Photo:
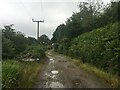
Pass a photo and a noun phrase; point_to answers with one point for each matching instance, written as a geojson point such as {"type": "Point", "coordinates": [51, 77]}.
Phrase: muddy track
{"type": "Point", "coordinates": [59, 72]}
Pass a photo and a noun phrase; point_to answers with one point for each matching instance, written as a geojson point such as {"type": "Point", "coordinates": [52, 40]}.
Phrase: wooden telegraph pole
{"type": "Point", "coordinates": [37, 27]}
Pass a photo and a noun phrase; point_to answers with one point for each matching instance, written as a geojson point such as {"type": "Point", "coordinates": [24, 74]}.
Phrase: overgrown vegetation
{"type": "Point", "coordinates": [15, 43]}
{"type": "Point", "coordinates": [34, 51]}
{"type": "Point", "coordinates": [112, 80]}
{"type": "Point", "coordinates": [99, 47]}
{"type": "Point", "coordinates": [92, 36]}
{"type": "Point", "coordinates": [17, 74]}
{"type": "Point", "coordinates": [16, 50]}
{"type": "Point", "coordinates": [92, 15]}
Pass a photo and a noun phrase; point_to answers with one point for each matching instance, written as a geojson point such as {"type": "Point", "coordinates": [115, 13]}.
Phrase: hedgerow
{"type": "Point", "coordinates": [100, 47]}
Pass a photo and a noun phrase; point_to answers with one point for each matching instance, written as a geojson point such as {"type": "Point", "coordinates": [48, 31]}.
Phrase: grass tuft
{"type": "Point", "coordinates": [108, 77]}
{"type": "Point", "coordinates": [17, 74]}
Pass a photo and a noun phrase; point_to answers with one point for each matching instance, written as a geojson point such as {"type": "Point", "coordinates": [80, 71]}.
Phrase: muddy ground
{"type": "Point", "coordinates": [59, 72]}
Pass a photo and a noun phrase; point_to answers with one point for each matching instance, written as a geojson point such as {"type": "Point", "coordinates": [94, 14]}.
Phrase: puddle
{"type": "Point", "coordinates": [51, 76]}
{"type": "Point", "coordinates": [51, 59]}
{"type": "Point", "coordinates": [54, 72]}
{"type": "Point", "coordinates": [56, 85]}
{"type": "Point", "coordinates": [51, 62]}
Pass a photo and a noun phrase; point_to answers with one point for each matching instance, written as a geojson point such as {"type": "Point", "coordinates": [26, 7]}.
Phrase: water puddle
{"type": "Point", "coordinates": [51, 59]}
{"type": "Point", "coordinates": [56, 85]}
{"type": "Point", "coordinates": [51, 62]}
{"type": "Point", "coordinates": [51, 76]}
{"type": "Point", "coordinates": [54, 72]}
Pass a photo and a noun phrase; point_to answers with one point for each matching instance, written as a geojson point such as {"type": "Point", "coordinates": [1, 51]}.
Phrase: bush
{"type": "Point", "coordinates": [99, 47]}
{"type": "Point", "coordinates": [35, 51]}
{"type": "Point", "coordinates": [10, 74]}
{"type": "Point", "coordinates": [8, 48]}
{"type": "Point", "coordinates": [19, 74]}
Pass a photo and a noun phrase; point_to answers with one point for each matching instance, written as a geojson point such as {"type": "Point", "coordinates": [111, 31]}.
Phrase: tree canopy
{"type": "Point", "coordinates": [44, 40]}
{"type": "Point", "coordinates": [91, 16]}
{"type": "Point", "coordinates": [92, 35]}
{"type": "Point", "coordinates": [14, 42]}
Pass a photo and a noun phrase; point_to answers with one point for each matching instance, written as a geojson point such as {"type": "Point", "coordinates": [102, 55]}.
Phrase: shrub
{"type": "Point", "coordinates": [19, 74]}
{"type": "Point", "coordinates": [99, 47]}
{"type": "Point", "coordinates": [36, 51]}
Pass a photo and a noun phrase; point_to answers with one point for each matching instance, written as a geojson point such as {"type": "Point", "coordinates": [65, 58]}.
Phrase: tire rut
{"type": "Point", "coordinates": [58, 72]}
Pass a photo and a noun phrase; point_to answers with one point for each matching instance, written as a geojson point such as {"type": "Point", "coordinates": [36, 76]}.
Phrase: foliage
{"type": "Point", "coordinates": [15, 43]}
{"type": "Point", "coordinates": [59, 33]}
{"type": "Point", "coordinates": [36, 51]}
{"type": "Point", "coordinates": [44, 40]}
{"type": "Point", "coordinates": [63, 47]}
{"type": "Point", "coordinates": [20, 38]}
{"type": "Point", "coordinates": [10, 74]}
{"type": "Point", "coordinates": [112, 13]}
{"type": "Point", "coordinates": [8, 48]}
{"type": "Point", "coordinates": [112, 80]}
{"type": "Point", "coordinates": [99, 47]}
{"type": "Point", "coordinates": [91, 16]}
{"type": "Point", "coordinates": [92, 35]}
{"type": "Point", "coordinates": [19, 74]}
{"type": "Point", "coordinates": [31, 41]}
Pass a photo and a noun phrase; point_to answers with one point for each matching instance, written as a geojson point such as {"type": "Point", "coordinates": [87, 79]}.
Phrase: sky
{"type": "Point", "coordinates": [21, 12]}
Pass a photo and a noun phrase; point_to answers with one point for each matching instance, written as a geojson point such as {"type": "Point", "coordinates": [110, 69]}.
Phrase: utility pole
{"type": "Point", "coordinates": [37, 27]}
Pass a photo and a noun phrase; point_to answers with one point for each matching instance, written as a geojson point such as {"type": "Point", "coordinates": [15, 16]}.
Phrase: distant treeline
{"type": "Point", "coordinates": [92, 35]}
{"type": "Point", "coordinates": [14, 43]}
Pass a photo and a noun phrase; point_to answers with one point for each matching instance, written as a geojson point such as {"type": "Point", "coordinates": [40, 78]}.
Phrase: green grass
{"type": "Point", "coordinates": [109, 78]}
{"type": "Point", "coordinates": [19, 74]}
{"type": "Point", "coordinates": [112, 80]}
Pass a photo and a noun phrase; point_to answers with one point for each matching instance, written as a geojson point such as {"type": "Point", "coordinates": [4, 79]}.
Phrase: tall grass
{"type": "Point", "coordinates": [112, 80]}
{"type": "Point", "coordinates": [17, 74]}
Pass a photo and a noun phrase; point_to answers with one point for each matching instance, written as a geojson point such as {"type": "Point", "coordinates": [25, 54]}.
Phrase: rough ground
{"type": "Point", "coordinates": [59, 72]}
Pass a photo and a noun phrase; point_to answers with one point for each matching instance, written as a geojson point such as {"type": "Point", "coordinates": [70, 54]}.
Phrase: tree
{"type": "Point", "coordinates": [13, 42]}
{"type": "Point", "coordinates": [32, 40]}
{"type": "Point", "coordinates": [20, 42]}
{"type": "Point", "coordinates": [44, 40]}
{"type": "Point", "coordinates": [8, 49]}
{"type": "Point", "coordinates": [59, 33]}
{"type": "Point", "coordinates": [112, 12]}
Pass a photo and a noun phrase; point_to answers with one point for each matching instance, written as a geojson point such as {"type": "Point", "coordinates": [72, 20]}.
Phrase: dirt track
{"type": "Point", "coordinates": [59, 72]}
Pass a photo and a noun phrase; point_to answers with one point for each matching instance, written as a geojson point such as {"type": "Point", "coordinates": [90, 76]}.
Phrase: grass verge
{"type": "Point", "coordinates": [112, 80]}
{"type": "Point", "coordinates": [17, 74]}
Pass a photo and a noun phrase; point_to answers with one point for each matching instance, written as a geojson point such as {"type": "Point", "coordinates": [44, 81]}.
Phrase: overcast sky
{"type": "Point", "coordinates": [53, 12]}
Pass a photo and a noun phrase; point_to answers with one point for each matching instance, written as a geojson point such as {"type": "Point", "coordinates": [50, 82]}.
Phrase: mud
{"type": "Point", "coordinates": [59, 72]}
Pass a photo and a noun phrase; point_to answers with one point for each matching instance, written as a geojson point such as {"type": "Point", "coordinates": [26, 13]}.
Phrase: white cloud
{"type": "Point", "coordinates": [20, 13]}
